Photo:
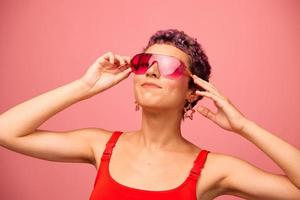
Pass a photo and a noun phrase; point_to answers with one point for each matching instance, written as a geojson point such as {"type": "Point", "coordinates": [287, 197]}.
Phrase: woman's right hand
{"type": "Point", "coordinates": [107, 71]}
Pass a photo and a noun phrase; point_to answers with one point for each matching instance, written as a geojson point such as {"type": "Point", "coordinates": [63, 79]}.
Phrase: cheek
{"type": "Point", "coordinates": [180, 85]}
{"type": "Point", "coordinates": [137, 80]}
{"type": "Point", "coordinates": [177, 90]}
{"type": "Point", "coordinates": [136, 83]}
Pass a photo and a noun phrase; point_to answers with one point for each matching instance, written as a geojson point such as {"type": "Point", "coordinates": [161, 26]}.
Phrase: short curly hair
{"type": "Point", "coordinates": [199, 61]}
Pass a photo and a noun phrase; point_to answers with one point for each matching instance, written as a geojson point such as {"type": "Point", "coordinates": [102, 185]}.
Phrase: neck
{"type": "Point", "coordinates": [160, 130]}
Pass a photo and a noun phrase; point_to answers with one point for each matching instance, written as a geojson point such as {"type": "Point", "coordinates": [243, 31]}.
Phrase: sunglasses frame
{"type": "Point", "coordinates": [143, 53]}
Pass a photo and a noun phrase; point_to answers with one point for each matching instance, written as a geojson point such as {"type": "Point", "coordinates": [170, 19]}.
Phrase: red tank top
{"type": "Point", "coordinates": [105, 187]}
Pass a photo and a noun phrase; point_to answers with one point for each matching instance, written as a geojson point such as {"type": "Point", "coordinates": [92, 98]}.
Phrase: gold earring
{"type": "Point", "coordinates": [186, 111]}
{"type": "Point", "coordinates": [137, 107]}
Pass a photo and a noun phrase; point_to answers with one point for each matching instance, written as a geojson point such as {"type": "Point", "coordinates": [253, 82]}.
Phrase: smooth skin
{"type": "Point", "coordinates": [242, 178]}
{"type": "Point", "coordinates": [222, 174]}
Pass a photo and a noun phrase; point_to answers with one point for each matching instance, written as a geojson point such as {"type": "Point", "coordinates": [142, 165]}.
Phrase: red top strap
{"type": "Point", "coordinates": [194, 173]}
{"type": "Point", "coordinates": [199, 163]}
{"type": "Point", "coordinates": [110, 145]}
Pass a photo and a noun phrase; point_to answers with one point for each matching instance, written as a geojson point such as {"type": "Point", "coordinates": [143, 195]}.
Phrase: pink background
{"type": "Point", "coordinates": [253, 47]}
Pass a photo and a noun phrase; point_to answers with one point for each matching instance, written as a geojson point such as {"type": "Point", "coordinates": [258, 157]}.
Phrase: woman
{"type": "Point", "coordinates": [155, 162]}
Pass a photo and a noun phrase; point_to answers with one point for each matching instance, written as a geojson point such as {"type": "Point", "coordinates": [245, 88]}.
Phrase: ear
{"type": "Point", "coordinates": [191, 95]}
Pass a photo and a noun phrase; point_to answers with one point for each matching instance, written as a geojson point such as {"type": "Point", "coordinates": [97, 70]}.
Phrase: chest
{"type": "Point", "coordinates": [157, 171]}
{"type": "Point", "coordinates": [149, 172]}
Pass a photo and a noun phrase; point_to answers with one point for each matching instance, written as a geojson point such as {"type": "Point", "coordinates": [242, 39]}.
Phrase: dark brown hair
{"type": "Point", "coordinates": [199, 62]}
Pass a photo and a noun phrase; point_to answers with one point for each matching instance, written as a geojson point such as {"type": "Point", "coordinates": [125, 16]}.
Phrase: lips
{"type": "Point", "coordinates": [149, 84]}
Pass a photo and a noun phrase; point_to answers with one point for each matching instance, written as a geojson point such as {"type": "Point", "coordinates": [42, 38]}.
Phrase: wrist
{"type": "Point", "coordinates": [84, 89]}
{"type": "Point", "coordinates": [248, 126]}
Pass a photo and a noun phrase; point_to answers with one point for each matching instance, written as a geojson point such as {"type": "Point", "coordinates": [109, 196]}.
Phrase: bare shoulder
{"type": "Point", "coordinates": [99, 135]}
{"type": "Point", "coordinates": [213, 173]}
{"type": "Point", "coordinates": [98, 139]}
{"type": "Point", "coordinates": [238, 177]}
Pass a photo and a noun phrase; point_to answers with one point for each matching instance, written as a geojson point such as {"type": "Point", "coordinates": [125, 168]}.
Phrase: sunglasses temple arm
{"type": "Point", "coordinates": [189, 72]}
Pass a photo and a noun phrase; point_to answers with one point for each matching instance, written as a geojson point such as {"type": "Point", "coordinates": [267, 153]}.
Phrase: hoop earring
{"type": "Point", "coordinates": [186, 111]}
{"type": "Point", "coordinates": [137, 107]}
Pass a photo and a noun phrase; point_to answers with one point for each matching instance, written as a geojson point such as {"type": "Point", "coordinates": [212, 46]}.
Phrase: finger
{"type": "Point", "coordinates": [125, 64]}
{"type": "Point", "coordinates": [123, 67]}
{"type": "Point", "coordinates": [124, 74]}
{"type": "Point", "coordinates": [109, 56]}
{"type": "Point", "coordinates": [120, 59]}
{"type": "Point", "coordinates": [127, 58]}
{"type": "Point", "coordinates": [207, 86]}
{"type": "Point", "coordinates": [200, 80]}
{"type": "Point", "coordinates": [206, 112]}
{"type": "Point", "coordinates": [219, 101]}
{"type": "Point", "coordinates": [115, 61]}
{"type": "Point", "coordinates": [104, 57]}
{"type": "Point", "coordinates": [203, 82]}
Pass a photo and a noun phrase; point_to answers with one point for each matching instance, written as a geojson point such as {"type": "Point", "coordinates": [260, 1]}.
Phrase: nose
{"type": "Point", "coordinates": [153, 70]}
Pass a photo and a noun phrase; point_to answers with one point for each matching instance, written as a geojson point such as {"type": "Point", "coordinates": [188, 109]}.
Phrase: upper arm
{"type": "Point", "coordinates": [60, 146]}
{"type": "Point", "coordinates": [244, 180]}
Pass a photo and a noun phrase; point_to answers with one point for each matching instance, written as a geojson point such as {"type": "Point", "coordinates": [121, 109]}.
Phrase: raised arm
{"type": "Point", "coordinates": [19, 125]}
{"type": "Point", "coordinates": [240, 178]}
{"type": "Point", "coordinates": [243, 179]}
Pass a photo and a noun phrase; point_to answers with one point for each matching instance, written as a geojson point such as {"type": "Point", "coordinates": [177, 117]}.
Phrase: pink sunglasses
{"type": "Point", "coordinates": [169, 66]}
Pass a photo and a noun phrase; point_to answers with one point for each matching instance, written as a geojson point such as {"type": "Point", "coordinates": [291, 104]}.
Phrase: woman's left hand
{"type": "Point", "coordinates": [228, 116]}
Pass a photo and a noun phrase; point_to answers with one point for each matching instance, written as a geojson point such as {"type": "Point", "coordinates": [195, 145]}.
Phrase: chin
{"type": "Point", "coordinates": [150, 103]}
{"type": "Point", "coordinates": [145, 97]}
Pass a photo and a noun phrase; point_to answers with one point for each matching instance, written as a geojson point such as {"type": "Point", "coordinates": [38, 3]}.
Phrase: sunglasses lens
{"type": "Point", "coordinates": [169, 66]}
{"type": "Point", "coordinates": [176, 74]}
{"type": "Point", "coordinates": [140, 64]}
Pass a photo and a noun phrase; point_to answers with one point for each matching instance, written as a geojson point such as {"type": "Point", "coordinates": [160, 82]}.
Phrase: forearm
{"type": "Point", "coordinates": [27, 116]}
{"type": "Point", "coordinates": [284, 154]}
